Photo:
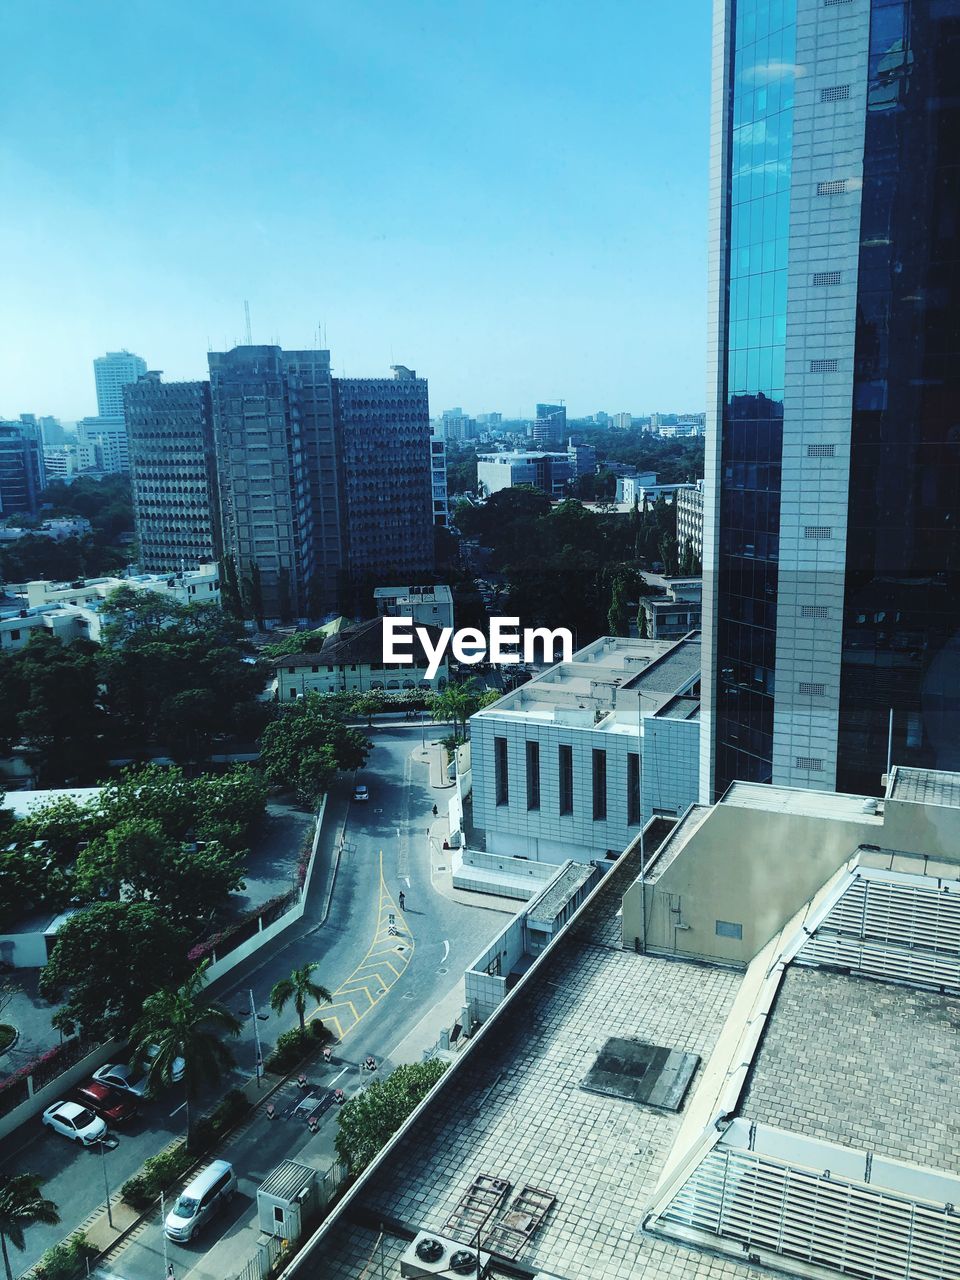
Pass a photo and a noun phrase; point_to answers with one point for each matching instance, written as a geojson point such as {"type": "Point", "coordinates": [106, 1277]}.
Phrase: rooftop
{"type": "Point", "coordinates": [813, 804]}
{"type": "Point", "coordinates": [925, 786]}
{"type": "Point", "coordinates": [584, 691]}
{"type": "Point", "coordinates": [819, 1134]}
{"type": "Point", "coordinates": [363, 644]}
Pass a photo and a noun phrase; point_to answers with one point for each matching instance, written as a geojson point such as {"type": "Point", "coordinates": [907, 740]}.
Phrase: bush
{"type": "Point", "coordinates": [66, 1260]}
{"type": "Point", "coordinates": [159, 1173]}
{"type": "Point", "coordinates": [293, 1046]}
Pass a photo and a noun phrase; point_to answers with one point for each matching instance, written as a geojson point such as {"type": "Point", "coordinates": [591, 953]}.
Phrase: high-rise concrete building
{"type": "Point", "coordinates": [276, 472]}
{"type": "Point", "coordinates": [22, 474]}
{"type": "Point", "coordinates": [312, 502]}
{"type": "Point", "coordinates": [550, 427]}
{"type": "Point", "coordinates": [112, 373]}
{"type": "Point", "coordinates": [831, 537]}
{"type": "Point", "coordinates": [383, 427]}
{"type": "Point", "coordinates": [173, 473]}
{"type": "Point", "coordinates": [438, 477]}
{"type": "Point", "coordinates": [104, 443]}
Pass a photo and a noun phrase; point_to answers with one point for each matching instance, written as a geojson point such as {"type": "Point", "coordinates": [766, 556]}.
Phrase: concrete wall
{"type": "Point", "coordinates": [670, 774]}
{"type": "Point", "coordinates": [748, 867]}
{"type": "Point", "coordinates": [23, 950]}
{"type": "Point", "coordinates": [504, 876]}
{"type": "Point", "coordinates": [485, 991]}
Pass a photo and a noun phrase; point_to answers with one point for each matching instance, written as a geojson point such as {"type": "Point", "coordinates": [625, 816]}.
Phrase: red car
{"type": "Point", "coordinates": [111, 1106]}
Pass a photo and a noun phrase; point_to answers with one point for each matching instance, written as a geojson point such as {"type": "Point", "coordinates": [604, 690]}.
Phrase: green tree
{"type": "Point", "coordinates": [60, 713]}
{"type": "Point", "coordinates": [456, 703]}
{"type": "Point", "coordinates": [617, 613]}
{"type": "Point", "coordinates": [137, 858]}
{"type": "Point", "coordinates": [299, 987]}
{"type": "Point", "coordinates": [306, 743]}
{"type": "Point", "coordinates": [370, 1118]}
{"type": "Point", "coordinates": [184, 1023]}
{"type": "Point", "coordinates": [642, 629]}
{"type": "Point", "coordinates": [108, 959]}
{"type": "Point", "coordinates": [22, 1205]}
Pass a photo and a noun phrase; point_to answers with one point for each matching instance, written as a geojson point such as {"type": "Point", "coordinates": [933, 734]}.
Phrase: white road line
{"type": "Point", "coordinates": [446, 951]}
{"type": "Point", "coordinates": [180, 1108]}
{"type": "Point", "coordinates": [338, 1075]}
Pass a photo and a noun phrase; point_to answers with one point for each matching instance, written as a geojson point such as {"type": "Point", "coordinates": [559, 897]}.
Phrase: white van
{"type": "Point", "coordinates": [200, 1200]}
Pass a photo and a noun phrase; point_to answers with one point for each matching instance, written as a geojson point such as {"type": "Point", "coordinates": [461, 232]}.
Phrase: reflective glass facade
{"type": "Point", "coordinates": [901, 640]}
{"type": "Point", "coordinates": [761, 139]}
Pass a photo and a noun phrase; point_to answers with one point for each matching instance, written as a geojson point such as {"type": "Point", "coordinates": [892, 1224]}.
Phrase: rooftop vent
{"type": "Point", "coordinates": [434, 1255]}
{"type": "Point", "coordinates": [640, 1072]}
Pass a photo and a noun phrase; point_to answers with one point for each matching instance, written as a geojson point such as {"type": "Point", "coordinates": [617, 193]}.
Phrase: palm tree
{"type": "Point", "coordinates": [184, 1024]}
{"type": "Point", "coordinates": [299, 987]}
{"type": "Point", "coordinates": [21, 1205]}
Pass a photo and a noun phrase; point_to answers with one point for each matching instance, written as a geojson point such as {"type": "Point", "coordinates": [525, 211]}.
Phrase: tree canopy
{"type": "Point", "coordinates": [368, 1120]}
{"type": "Point", "coordinates": [306, 743]}
{"type": "Point", "coordinates": [108, 959]}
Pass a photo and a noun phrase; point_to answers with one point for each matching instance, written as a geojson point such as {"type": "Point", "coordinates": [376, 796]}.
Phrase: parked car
{"type": "Point", "coordinates": [361, 793]}
{"type": "Point", "coordinates": [75, 1122]}
{"type": "Point", "coordinates": [200, 1200]}
{"type": "Point", "coordinates": [179, 1066]}
{"type": "Point", "coordinates": [123, 1078]}
{"type": "Point", "coordinates": [107, 1103]}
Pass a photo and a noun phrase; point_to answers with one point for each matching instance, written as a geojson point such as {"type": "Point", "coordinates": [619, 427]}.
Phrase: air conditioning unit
{"type": "Point", "coordinates": [430, 1254]}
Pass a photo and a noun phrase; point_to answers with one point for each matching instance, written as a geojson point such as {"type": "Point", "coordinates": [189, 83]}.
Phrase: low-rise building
{"type": "Point", "coordinates": [75, 610]}
{"type": "Point", "coordinates": [637, 479]}
{"type": "Point", "coordinates": [550, 472]}
{"type": "Point", "coordinates": [57, 529]}
{"type": "Point", "coordinates": [736, 1059]}
{"type": "Point", "coordinates": [636, 492]}
{"type": "Point", "coordinates": [427, 605]}
{"type": "Point", "coordinates": [583, 459]}
{"type": "Point", "coordinates": [351, 661]}
{"type": "Point", "coordinates": [573, 763]}
{"type": "Point", "coordinates": [677, 612]}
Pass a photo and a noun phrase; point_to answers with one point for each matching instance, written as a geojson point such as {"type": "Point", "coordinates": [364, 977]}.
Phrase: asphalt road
{"type": "Point", "coordinates": [385, 967]}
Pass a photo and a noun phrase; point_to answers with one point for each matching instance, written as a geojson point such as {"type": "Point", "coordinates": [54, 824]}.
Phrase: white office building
{"type": "Point", "coordinates": [573, 763]}
{"type": "Point", "coordinates": [430, 605]}
{"type": "Point", "coordinates": [112, 372]}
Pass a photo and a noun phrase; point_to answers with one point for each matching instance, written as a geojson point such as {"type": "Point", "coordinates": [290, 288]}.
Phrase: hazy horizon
{"type": "Point", "coordinates": [513, 202]}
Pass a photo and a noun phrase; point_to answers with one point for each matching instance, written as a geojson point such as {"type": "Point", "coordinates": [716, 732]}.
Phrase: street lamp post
{"type": "Point", "coordinates": [106, 1183]}
{"type": "Point", "coordinates": [256, 1036]}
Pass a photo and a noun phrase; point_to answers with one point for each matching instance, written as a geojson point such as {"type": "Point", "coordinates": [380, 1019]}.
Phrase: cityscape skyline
{"type": "Point", "coordinates": [427, 196]}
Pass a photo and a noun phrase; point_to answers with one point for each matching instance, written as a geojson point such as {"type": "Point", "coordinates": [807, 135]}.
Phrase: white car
{"type": "Point", "coordinates": [361, 793]}
{"type": "Point", "coordinates": [75, 1122]}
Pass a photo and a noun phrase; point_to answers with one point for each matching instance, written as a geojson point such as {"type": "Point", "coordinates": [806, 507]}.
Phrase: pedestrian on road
{"type": "Point", "coordinates": [403, 899]}
{"type": "Point", "coordinates": [434, 810]}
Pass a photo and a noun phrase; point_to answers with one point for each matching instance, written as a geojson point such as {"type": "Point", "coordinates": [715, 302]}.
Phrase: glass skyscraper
{"type": "Point", "coordinates": [831, 547]}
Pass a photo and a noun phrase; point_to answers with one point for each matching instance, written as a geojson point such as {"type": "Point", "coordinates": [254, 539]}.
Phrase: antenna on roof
{"type": "Point", "coordinates": [246, 313]}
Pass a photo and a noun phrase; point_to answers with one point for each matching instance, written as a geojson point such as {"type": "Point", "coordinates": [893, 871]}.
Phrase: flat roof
{"type": "Point", "coordinates": [517, 1110]}
{"type": "Point", "coordinates": [812, 804]}
{"type": "Point", "coordinates": [861, 1063]}
{"type": "Point", "coordinates": [671, 672]}
{"type": "Point", "coordinates": [925, 786]}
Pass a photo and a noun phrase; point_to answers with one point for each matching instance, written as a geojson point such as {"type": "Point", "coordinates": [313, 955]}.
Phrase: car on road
{"type": "Point", "coordinates": [361, 792]}
{"type": "Point", "coordinates": [75, 1122]}
{"type": "Point", "coordinates": [107, 1103]}
{"type": "Point", "coordinates": [200, 1200]}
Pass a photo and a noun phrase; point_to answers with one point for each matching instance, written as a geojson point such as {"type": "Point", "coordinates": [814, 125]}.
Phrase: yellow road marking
{"type": "Point", "coordinates": [374, 967]}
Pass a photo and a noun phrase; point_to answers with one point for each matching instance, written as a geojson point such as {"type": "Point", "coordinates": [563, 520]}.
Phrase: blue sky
{"type": "Point", "coordinates": [508, 195]}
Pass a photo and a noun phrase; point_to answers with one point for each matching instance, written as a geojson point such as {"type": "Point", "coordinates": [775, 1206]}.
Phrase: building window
{"type": "Point", "coordinates": [835, 93]}
{"type": "Point", "coordinates": [500, 770]}
{"type": "Point", "coordinates": [633, 789]}
{"type": "Point", "coordinates": [599, 785]}
{"type": "Point", "coordinates": [729, 929]}
{"type": "Point", "coordinates": [821, 450]}
{"type": "Point", "coordinates": [835, 187]}
{"type": "Point", "coordinates": [823, 279]}
{"type": "Point", "coordinates": [811, 763]}
{"type": "Point", "coordinates": [14, 635]}
{"type": "Point", "coordinates": [817, 531]}
{"type": "Point", "coordinates": [814, 611]}
{"type": "Point", "coordinates": [824, 366]}
{"type": "Point", "coordinates": [565, 762]}
{"type": "Point", "coordinates": [813, 689]}
{"type": "Point", "coordinates": [533, 775]}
